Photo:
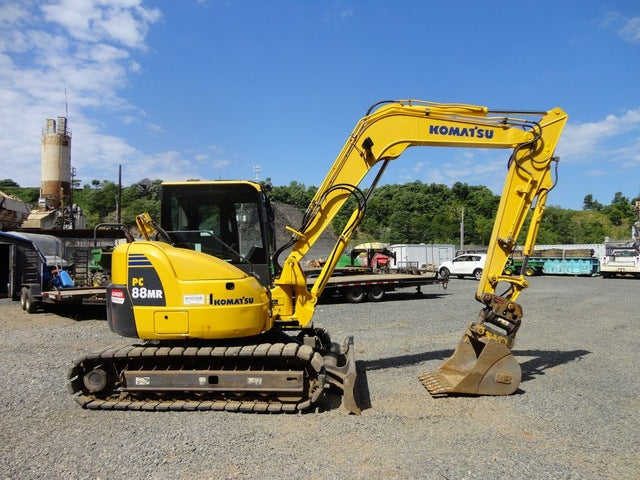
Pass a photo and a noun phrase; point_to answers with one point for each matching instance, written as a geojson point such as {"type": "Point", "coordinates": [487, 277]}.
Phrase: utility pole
{"type": "Point", "coordinates": [119, 197]}
{"type": "Point", "coordinates": [462, 230]}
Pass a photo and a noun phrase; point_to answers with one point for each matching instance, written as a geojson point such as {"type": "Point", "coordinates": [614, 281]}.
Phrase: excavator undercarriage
{"type": "Point", "coordinates": [285, 374]}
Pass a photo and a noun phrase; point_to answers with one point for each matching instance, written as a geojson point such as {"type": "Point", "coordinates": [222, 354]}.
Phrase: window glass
{"type": "Point", "coordinates": [216, 223]}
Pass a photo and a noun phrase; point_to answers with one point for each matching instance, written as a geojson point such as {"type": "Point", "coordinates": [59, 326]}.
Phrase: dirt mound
{"type": "Point", "coordinates": [288, 215]}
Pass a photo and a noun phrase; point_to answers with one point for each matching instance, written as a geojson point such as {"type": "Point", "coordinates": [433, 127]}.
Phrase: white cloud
{"type": "Point", "coordinates": [346, 13]}
{"type": "Point", "coordinates": [80, 51]}
{"type": "Point", "coordinates": [125, 22]}
{"type": "Point", "coordinates": [12, 13]}
{"type": "Point", "coordinates": [155, 128]}
{"type": "Point", "coordinates": [609, 18]}
{"type": "Point", "coordinates": [220, 163]}
{"type": "Point", "coordinates": [627, 28]}
{"type": "Point", "coordinates": [583, 139]}
{"type": "Point", "coordinates": [629, 155]}
{"type": "Point", "coordinates": [450, 165]}
{"type": "Point", "coordinates": [631, 30]}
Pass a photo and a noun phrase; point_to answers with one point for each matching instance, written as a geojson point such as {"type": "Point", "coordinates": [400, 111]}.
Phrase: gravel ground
{"type": "Point", "coordinates": [576, 415]}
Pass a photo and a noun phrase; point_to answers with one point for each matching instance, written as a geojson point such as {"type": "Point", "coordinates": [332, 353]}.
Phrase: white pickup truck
{"type": "Point", "coordinates": [621, 260]}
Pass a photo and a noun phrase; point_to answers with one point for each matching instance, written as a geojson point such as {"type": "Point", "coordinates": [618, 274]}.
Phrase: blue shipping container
{"type": "Point", "coordinates": [571, 266]}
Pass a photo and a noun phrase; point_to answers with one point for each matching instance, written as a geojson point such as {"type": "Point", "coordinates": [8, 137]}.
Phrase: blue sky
{"type": "Point", "coordinates": [243, 89]}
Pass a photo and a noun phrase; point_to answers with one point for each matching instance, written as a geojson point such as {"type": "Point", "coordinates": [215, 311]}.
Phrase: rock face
{"type": "Point", "coordinates": [288, 215]}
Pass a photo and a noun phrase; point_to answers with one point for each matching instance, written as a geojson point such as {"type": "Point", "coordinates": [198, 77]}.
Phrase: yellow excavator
{"type": "Point", "coordinates": [225, 326]}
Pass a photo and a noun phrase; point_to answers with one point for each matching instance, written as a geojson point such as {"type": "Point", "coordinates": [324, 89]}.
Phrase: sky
{"type": "Point", "coordinates": [231, 89]}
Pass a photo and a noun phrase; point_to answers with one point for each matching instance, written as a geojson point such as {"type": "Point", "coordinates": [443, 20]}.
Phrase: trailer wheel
{"type": "Point", "coordinates": [355, 295]}
{"type": "Point", "coordinates": [30, 304]}
{"type": "Point", "coordinates": [23, 297]}
{"type": "Point", "coordinates": [376, 293]}
{"type": "Point", "coordinates": [444, 272]}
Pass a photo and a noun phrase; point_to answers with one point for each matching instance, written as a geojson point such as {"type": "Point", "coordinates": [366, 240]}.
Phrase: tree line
{"type": "Point", "coordinates": [99, 199]}
{"type": "Point", "coordinates": [418, 212]}
{"type": "Point", "coordinates": [413, 212]}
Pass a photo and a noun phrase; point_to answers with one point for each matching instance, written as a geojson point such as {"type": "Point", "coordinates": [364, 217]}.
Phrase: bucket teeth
{"type": "Point", "coordinates": [435, 383]}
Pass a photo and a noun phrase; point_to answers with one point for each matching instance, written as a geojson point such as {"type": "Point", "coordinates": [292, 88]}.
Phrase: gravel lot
{"type": "Point", "coordinates": [576, 415]}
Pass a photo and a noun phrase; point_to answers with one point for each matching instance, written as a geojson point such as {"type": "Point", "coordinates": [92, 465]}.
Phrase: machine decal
{"type": "Point", "coordinates": [138, 260]}
{"type": "Point", "coordinates": [197, 299]}
{"type": "Point", "coordinates": [117, 296]}
{"type": "Point", "coordinates": [144, 292]}
{"type": "Point", "coordinates": [144, 284]}
{"type": "Point", "coordinates": [473, 132]}
{"type": "Point", "coordinates": [143, 381]}
{"type": "Point", "coordinates": [234, 301]}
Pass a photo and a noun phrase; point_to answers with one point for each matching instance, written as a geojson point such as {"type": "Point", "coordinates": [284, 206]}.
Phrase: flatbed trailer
{"type": "Point", "coordinates": [76, 296]}
{"type": "Point", "coordinates": [31, 297]}
{"type": "Point", "coordinates": [356, 287]}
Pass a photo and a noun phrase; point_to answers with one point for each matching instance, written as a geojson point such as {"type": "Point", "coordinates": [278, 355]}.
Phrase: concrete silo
{"type": "Point", "coordinates": [54, 205]}
{"type": "Point", "coordinates": [56, 164]}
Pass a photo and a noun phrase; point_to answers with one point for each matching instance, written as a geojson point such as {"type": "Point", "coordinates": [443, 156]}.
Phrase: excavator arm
{"type": "Point", "coordinates": [388, 129]}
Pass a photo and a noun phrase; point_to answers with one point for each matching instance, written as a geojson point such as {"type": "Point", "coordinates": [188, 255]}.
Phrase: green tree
{"type": "Point", "coordinates": [7, 182]}
{"type": "Point", "coordinates": [101, 201]}
{"type": "Point", "coordinates": [25, 194]}
{"type": "Point", "coordinates": [295, 193]}
{"type": "Point", "coordinates": [589, 203]}
{"type": "Point", "coordinates": [620, 211]}
{"type": "Point", "coordinates": [136, 199]}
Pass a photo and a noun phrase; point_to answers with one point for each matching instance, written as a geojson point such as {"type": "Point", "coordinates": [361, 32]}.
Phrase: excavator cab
{"type": "Point", "coordinates": [229, 220]}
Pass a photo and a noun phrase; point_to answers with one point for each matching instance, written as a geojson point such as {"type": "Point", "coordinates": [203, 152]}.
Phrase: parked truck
{"type": "Point", "coordinates": [623, 257]}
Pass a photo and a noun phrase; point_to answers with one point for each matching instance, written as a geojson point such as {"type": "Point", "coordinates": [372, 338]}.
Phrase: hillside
{"type": "Point", "coordinates": [288, 215]}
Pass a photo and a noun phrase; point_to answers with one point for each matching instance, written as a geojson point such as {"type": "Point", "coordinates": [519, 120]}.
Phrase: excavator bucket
{"type": "Point", "coordinates": [479, 366]}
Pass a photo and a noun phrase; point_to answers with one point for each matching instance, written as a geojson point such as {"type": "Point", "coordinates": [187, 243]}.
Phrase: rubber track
{"type": "Point", "coordinates": [120, 355]}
